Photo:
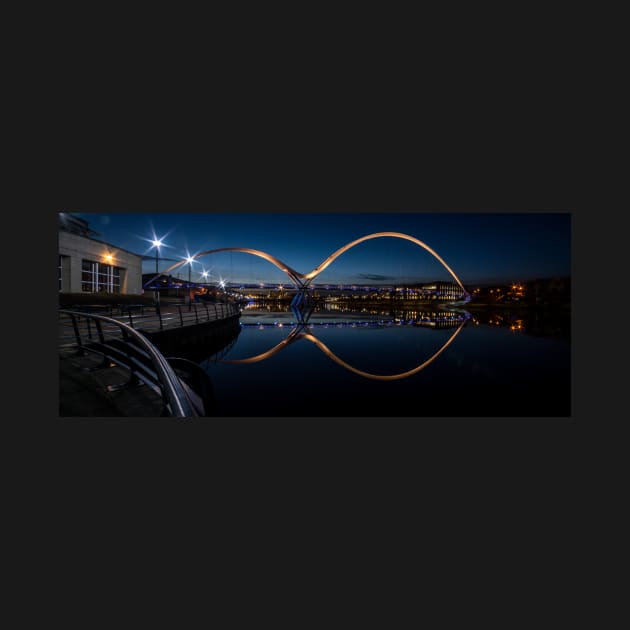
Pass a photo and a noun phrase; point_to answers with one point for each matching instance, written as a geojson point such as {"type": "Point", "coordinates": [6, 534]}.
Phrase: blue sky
{"type": "Point", "coordinates": [480, 247]}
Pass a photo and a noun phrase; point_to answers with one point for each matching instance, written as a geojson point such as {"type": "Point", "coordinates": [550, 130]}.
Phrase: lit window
{"type": "Point", "coordinates": [99, 278]}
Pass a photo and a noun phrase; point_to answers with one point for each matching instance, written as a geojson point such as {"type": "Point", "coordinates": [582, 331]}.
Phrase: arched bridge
{"type": "Point", "coordinates": [303, 280]}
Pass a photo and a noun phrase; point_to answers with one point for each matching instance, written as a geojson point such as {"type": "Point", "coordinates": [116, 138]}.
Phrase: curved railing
{"type": "Point", "coordinates": [93, 333]}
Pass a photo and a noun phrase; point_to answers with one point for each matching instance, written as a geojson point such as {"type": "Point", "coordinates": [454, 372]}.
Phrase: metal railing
{"type": "Point", "coordinates": [83, 333]}
{"type": "Point", "coordinates": [152, 319]}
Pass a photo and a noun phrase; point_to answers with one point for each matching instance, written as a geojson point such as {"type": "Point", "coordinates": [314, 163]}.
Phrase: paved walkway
{"type": "Point", "coordinates": [84, 391]}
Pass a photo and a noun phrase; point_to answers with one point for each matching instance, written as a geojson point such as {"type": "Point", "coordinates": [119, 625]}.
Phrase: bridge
{"type": "Point", "coordinates": [303, 280]}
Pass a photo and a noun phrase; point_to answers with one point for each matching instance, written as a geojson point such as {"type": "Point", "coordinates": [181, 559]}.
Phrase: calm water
{"type": "Point", "coordinates": [379, 364]}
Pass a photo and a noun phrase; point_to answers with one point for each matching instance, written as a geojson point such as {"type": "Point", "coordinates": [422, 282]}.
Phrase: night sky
{"type": "Point", "coordinates": [481, 248]}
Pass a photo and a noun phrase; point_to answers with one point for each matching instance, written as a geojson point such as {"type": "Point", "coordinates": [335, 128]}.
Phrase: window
{"type": "Point", "coordinates": [98, 277]}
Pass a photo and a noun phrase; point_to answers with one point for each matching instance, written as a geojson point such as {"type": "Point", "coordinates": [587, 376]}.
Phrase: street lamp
{"type": "Point", "coordinates": [157, 243]}
{"type": "Point", "coordinates": [189, 260]}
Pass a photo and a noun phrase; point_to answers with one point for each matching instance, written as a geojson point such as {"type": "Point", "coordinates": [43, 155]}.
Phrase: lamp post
{"type": "Point", "coordinates": [156, 244]}
{"type": "Point", "coordinates": [189, 260]}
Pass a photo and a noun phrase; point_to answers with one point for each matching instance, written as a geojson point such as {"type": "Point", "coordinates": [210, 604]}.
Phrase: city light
{"type": "Point", "coordinates": [190, 259]}
{"type": "Point", "coordinates": [156, 243]}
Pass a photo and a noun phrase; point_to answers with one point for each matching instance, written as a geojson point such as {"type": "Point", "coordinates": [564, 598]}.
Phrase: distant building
{"type": "Point", "coordinates": [87, 265]}
{"type": "Point", "coordinates": [442, 291]}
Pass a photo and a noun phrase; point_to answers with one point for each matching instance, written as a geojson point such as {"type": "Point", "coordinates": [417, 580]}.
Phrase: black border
{"type": "Point", "coordinates": [402, 439]}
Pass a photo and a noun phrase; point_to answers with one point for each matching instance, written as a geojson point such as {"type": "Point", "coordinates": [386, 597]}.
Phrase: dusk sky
{"type": "Point", "coordinates": [481, 248]}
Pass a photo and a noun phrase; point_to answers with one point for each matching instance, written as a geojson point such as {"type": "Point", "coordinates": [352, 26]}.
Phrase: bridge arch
{"type": "Point", "coordinates": [294, 275]}
{"type": "Point", "coordinates": [324, 264]}
{"type": "Point", "coordinates": [302, 280]}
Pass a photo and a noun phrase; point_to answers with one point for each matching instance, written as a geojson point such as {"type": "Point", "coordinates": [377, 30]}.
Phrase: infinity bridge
{"type": "Point", "coordinates": [303, 280]}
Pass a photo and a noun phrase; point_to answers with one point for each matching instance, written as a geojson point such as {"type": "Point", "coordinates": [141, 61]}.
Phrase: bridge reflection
{"type": "Point", "coordinates": [303, 331]}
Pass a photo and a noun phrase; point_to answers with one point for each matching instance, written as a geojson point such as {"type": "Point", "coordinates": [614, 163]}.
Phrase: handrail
{"type": "Point", "coordinates": [176, 396]}
{"type": "Point", "coordinates": [179, 315]}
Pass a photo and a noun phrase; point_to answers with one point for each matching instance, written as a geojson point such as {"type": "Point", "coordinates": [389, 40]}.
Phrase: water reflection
{"type": "Point", "coordinates": [540, 322]}
{"type": "Point", "coordinates": [303, 330]}
{"type": "Point", "coordinates": [535, 322]}
{"type": "Point", "coordinates": [441, 318]}
{"type": "Point", "coordinates": [365, 363]}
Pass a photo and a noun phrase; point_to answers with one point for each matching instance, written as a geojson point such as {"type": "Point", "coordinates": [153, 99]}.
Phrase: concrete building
{"type": "Point", "coordinates": [87, 265]}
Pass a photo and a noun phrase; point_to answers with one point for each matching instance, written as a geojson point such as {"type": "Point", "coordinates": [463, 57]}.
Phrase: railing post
{"type": "Point", "coordinates": [131, 319]}
{"type": "Point", "coordinates": [196, 316]}
{"type": "Point", "coordinates": [87, 319]}
{"type": "Point", "coordinates": [181, 321]}
{"type": "Point", "coordinates": [77, 334]}
{"type": "Point", "coordinates": [133, 373]}
{"type": "Point", "coordinates": [101, 337]}
{"type": "Point", "coordinates": [207, 312]}
{"type": "Point", "coordinates": [159, 312]}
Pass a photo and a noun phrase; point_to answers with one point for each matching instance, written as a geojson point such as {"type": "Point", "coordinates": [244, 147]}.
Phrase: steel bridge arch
{"type": "Point", "coordinates": [303, 280]}
{"type": "Point", "coordinates": [324, 264]}
{"type": "Point", "coordinates": [294, 275]}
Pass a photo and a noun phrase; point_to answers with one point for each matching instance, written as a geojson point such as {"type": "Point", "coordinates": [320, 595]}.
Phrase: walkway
{"type": "Point", "coordinates": [148, 319]}
{"type": "Point", "coordinates": [175, 316]}
{"type": "Point", "coordinates": [90, 386]}
{"type": "Point", "coordinates": [88, 390]}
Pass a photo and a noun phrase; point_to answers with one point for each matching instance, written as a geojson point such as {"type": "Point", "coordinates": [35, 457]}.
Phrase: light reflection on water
{"type": "Point", "coordinates": [395, 363]}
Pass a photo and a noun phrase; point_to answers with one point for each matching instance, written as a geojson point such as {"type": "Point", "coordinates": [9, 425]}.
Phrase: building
{"type": "Point", "coordinates": [446, 291]}
{"type": "Point", "coordinates": [87, 265]}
